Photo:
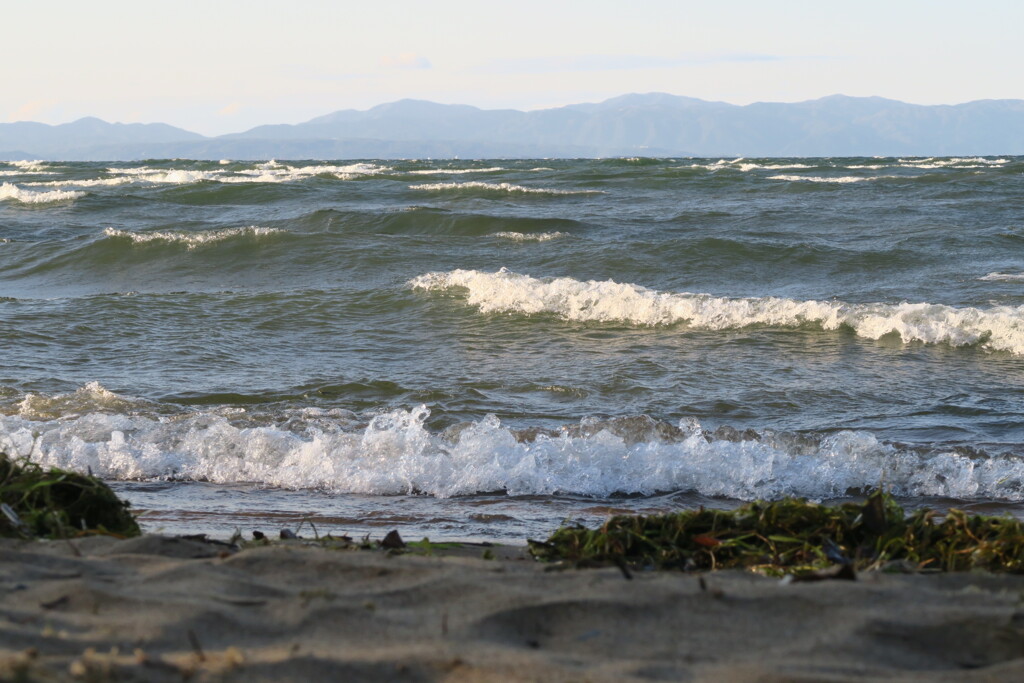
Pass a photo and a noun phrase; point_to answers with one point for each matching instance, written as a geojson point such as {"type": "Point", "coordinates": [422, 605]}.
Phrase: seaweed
{"type": "Point", "coordinates": [39, 502]}
{"type": "Point", "coordinates": [794, 536]}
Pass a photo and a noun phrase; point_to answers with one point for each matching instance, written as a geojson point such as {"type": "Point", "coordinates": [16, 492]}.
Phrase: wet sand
{"type": "Point", "coordinates": [168, 609]}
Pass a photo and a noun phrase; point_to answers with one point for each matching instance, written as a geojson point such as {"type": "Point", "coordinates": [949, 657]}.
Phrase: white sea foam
{"type": "Point", "coordinates": [773, 167]}
{"type": "Point", "coordinates": [530, 236]}
{"type": "Point", "coordinates": [191, 240]}
{"type": "Point", "coordinates": [454, 171]}
{"type": "Point", "coordinates": [497, 187]}
{"type": "Point", "coordinates": [1003, 277]}
{"type": "Point", "coordinates": [10, 191]}
{"type": "Point", "coordinates": [827, 179]}
{"type": "Point", "coordinates": [91, 398]}
{"type": "Point", "coordinates": [998, 328]}
{"type": "Point", "coordinates": [87, 182]}
{"type": "Point", "coordinates": [139, 170]}
{"type": "Point", "coordinates": [170, 176]}
{"type": "Point", "coordinates": [396, 454]}
{"type": "Point", "coordinates": [925, 167]}
{"type": "Point", "coordinates": [29, 165]}
{"type": "Point", "coordinates": [965, 162]}
{"type": "Point", "coordinates": [18, 172]}
{"type": "Point", "coordinates": [742, 165]}
{"type": "Point", "coordinates": [271, 172]}
{"type": "Point", "coordinates": [294, 172]}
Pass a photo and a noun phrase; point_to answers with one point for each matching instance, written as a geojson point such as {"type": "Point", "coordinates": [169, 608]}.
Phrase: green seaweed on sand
{"type": "Point", "coordinates": [54, 503]}
{"type": "Point", "coordinates": [794, 536]}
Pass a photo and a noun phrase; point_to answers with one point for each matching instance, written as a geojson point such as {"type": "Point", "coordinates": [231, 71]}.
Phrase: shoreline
{"type": "Point", "coordinates": [161, 608]}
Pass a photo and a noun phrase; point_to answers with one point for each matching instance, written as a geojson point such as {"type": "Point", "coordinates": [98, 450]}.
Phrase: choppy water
{"type": "Point", "coordinates": [485, 348]}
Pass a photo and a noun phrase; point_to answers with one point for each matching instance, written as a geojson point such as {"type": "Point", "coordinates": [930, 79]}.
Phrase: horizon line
{"type": "Point", "coordinates": [524, 111]}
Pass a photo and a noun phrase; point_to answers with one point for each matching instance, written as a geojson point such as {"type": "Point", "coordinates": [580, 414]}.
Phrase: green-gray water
{"type": "Point", "coordinates": [483, 348]}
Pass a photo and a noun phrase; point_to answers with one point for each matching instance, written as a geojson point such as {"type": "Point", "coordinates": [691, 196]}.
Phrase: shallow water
{"type": "Point", "coordinates": [487, 348]}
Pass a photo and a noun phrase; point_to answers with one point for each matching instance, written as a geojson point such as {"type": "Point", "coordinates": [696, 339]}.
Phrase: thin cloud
{"type": "Point", "coordinates": [405, 60]}
{"type": "Point", "coordinates": [310, 73]}
{"type": "Point", "coordinates": [229, 110]}
{"type": "Point", "coordinates": [626, 62]}
{"type": "Point", "coordinates": [29, 111]}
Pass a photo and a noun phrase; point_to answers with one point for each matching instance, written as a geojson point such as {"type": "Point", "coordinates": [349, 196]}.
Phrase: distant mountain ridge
{"type": "Point", "coordinates": [653, 124]}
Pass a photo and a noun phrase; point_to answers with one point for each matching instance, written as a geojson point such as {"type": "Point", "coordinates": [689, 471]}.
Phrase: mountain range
{"type": "Point", "coordinates": [654, 124]}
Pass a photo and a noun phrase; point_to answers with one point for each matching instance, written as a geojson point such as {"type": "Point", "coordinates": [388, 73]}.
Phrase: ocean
{"type": "Point", "coordinates": [486, 349]}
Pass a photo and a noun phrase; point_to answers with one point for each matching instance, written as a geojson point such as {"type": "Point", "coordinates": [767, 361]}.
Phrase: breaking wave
{"type": "Point", "coordinates": [998, 328]}
{"type": "Point", "coordinates": [1003, 277]}
{"type": "Point", "coordinates": [825, 179]}
{"type": "Point", "coordinates": [959, 162]}
{"type": "Point", "coordinates": [394, 453]}
{"type": "Point", "coordinates": [530, 236]}
{"type": "Point", "coordinates": [11, 191]}
{"type": "Point", "coordinates": [270, 172]}
{"type": "Point", "coordinates": [742, 165]}
{"type": "Point", "coordinates": [191, 240]}
{"type": "Point", "coordinates": [88, 182]}
{"type": "Point", "coordinates": [454, 171]}
{"type": "Point", "coordinates": [509, 188]}
{"type": "Point", "coordinates": [19, 172]}
{"type": "Point", "coordinates": [28, 165]}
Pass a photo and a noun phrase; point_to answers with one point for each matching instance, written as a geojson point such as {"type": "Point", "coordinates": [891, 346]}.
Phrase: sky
{"type": "Point", "coordinates": [221, 66]}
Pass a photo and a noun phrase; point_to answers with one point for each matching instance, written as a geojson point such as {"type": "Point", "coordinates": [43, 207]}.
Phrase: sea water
{"type": "Point", "coordinates": [485, 349]}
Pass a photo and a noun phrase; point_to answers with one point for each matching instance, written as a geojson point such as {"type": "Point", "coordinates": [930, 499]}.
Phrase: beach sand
{"type": "Point", "coordinates": [170, 609]}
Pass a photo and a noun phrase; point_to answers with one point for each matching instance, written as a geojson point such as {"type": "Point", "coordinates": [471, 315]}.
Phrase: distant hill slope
{"type": "Point", "coordinates": [654, 124]}
{"type": "Point", "coordinates": [66, 139]}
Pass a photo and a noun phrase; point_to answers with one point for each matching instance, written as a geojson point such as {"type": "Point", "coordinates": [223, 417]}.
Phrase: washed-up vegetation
{"type": "Point", "coordinates": [38, 502]}
{"type": "Point", "coordinates": [794, 536]}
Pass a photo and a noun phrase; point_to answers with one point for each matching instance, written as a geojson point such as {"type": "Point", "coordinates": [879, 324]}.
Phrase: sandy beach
{"type": "Point", "coordinates": [159, 608]}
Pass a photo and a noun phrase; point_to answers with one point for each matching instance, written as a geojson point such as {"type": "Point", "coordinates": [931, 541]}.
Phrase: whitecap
{"type": "Point", "coordinates": [935, 162]}
{"type": "Point", "coordinates": [530, 236]}
{"type": "Point", "coordinates": [824, 179]}
{"type": "Point", "coordinates": [998, 328]}
{"type": "Point", "coordinates": [10, 191]}
{"type": "Point", "coordinates": [746, 166]}
{"type": "Point", "coordinates": [396, 454]}
{"type": "Point", "coordinates": [85, 182]}
{"type": "Point", "coordinates": [1003, 277]}
{"type": "Point", "coordinates": [29, 165]}
{"type": "Point", "coordinates": [191, 240]}
{"type": "Point", "coordinates": [454, 171]}
{"type": "Point", "coordinates": [263, 173]}
{"type": "Point", "coordinates": [497, 187]}
{"type": "Point", "coordinates": [19, 172]}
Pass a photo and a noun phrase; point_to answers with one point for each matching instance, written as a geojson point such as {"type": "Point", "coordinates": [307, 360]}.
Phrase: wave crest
{"type": "Point", "coordinates": [191, 240]}
{"type": "Point", "coordinates": [1000, 328]}
{"type": "Point", "coordinates": [11, 191]}
{"type": "Point", "coordinates": [839, 180]}
{"type": "Point", "coordinates": [530, 236]}
{"type": "Point", "coordinates": [396, 454]}
{"type": "Point", "coordinates": [1003, 277]}
{"type": "Point", "coordinates": [509, 188]}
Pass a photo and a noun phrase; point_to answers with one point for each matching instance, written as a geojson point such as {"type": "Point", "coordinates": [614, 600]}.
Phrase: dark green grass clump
{"type": "Point", "coordinates": [793, 536]}
{"type": "Point", "coordinates": [54, 503]}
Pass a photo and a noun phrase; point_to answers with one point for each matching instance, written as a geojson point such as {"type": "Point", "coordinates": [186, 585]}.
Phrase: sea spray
{"type": "Point", "coordinates": [395, 453]}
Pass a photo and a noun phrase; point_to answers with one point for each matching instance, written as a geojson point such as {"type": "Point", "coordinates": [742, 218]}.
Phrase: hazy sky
{"type": "Point", "coordinates": [220, 66]}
